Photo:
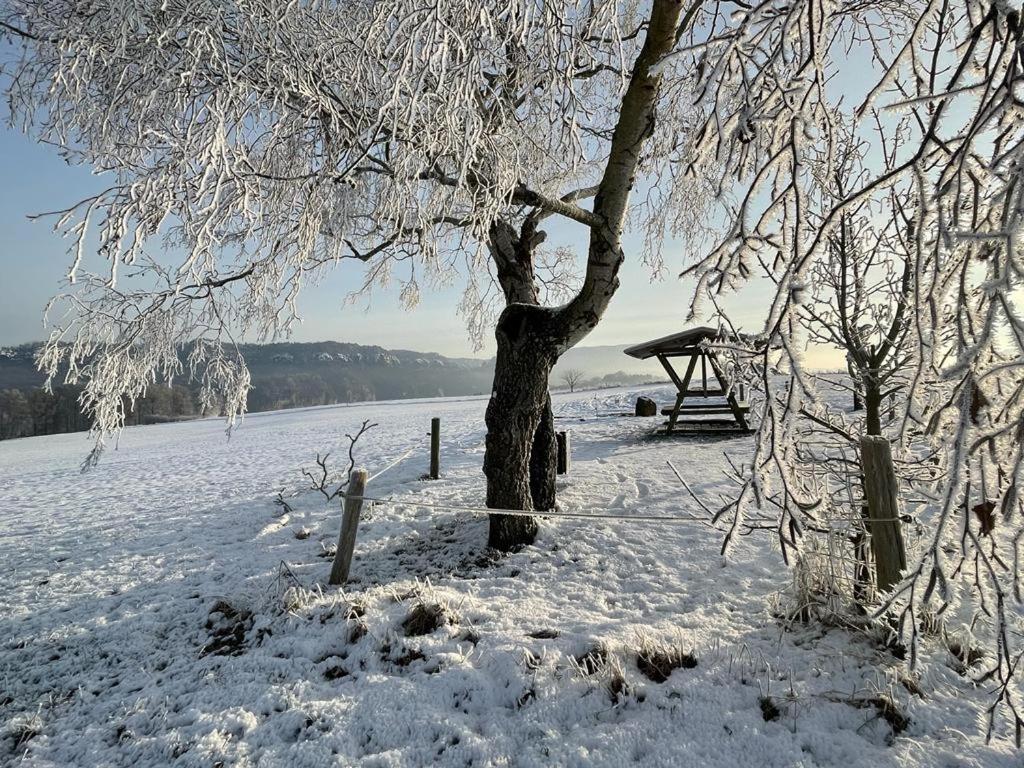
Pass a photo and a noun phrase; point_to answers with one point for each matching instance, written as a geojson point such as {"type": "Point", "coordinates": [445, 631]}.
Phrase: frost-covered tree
{"type": "Point", "coordinates": [572, 378]}
{"type": "Point", "coordinates": [859, 290]}
{"type": "Point", "coordinates": [264, 141]}
{"type": "Point", "coordinates": [951, 73]}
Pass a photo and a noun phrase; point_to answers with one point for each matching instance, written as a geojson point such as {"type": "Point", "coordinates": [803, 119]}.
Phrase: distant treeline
{"type": "Point", "coordinates": [27, 412]}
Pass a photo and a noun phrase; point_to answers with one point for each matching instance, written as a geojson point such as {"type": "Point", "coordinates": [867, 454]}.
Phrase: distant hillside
{"type": "Point", "coordinates": [377, 373]}
{"type": "Point", "coordinates": [287, 375]}
{"type": "Point", "coordinates": [17, 369]}
{"type": "Point", "coordinates": [294, 375]}
{"type": "Point", "coordinates": [317, 373]}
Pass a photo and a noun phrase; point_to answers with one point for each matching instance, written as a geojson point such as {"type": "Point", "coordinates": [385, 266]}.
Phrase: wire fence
{"type": "Point", "coordinates": [593, 514]}
{"type": "Point", "coordinates": [836, 554]}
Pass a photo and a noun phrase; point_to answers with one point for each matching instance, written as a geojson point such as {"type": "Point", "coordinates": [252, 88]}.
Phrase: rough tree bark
{"type": "Point", "coordinates": [872, 406]}
{"type": "Point", "coordinates": [857, 404]}
{"type": "Point", "coordinates": [542, 460]}
{"type": "Point", "coordinates": [531, 338]}
{"type": "Point", "coordinates": [521, 378]}
{"type": "Point", "coordinates": [518, 417]}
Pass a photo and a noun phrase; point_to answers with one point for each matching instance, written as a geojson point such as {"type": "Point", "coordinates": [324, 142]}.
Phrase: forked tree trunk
{"type": "Point", "coordinates": [512, 252]}
{"type": "Point", "coordinates": [518, 419]}
{"type": "Point", "coordinates": [530, 338]}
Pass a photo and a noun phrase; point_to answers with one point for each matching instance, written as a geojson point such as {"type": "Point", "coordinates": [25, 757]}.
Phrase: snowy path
{"type": "Point", "coordinates": [108, 581]}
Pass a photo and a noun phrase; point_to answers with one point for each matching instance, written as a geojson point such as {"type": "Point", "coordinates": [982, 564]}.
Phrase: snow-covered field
{"type": "Point", "coordinates": [162, 610]}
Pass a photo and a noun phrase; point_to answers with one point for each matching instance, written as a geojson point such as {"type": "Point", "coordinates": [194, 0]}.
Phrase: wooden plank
{"type": "Point", "coordinates": [708, 425]}
{"type": "Point", "coordinates": [349, 525]}
{"type": "Point", "coordinates": [881, 491]}
{"type": "Point", "coordinates": [731, 398]}
{"type": "Point", "coordinates": [704, 373]}
{"type": "Point", "coordinates": [674, 410]}
{"type": "Point", "coordinates": [673, 343]}
{"type": "Point", "coordinates": [703, 408]}
{"type": "Point", "coordinates": [683, 387]}
{"type": "Point", "coordinates": [699, 406]}
{"type": "Point", "coordinates": [671, 372]}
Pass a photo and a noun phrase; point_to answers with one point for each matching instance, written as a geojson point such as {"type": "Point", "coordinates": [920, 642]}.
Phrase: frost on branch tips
{"type": "Point", "coordinates": [944, 139]}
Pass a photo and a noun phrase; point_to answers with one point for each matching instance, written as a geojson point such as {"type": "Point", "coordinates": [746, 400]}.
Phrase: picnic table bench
{"type": "Point", "coordinates": [686, 414]}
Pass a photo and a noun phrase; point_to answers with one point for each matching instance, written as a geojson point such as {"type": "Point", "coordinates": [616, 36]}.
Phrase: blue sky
{"type": "Point", "coordinates": [34, 259]}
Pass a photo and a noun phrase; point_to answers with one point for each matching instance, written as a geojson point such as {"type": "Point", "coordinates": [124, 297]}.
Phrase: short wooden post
{"type": "Point", "coordinates": [742, 392]}
{"type": "Point", "coordinates": [435, 448]}
{"type": "Point", "coordinates": [562, 465]}
{"type": "Point", "coordinates": [881, 491]}
{"type": "Point", "coordinates": [349, 524]}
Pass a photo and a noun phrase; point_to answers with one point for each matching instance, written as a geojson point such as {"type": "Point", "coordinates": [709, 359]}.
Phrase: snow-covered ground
{"type": "Point", "coordinates": [162, 610]}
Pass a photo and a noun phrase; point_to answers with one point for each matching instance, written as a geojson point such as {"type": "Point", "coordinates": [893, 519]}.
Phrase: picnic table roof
{"type": "Point", "coordinates": [681, 343]}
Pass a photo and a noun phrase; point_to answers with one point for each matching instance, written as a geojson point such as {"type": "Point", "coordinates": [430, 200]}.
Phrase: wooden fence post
{"type": "Point", "coordinates": [881, 491]}
{"type": "Point", "coordinates": [349, 524]}
{"type": "Point", "coordinates": [564, 458]}
{"type": "Point", "coordinates": [435, 448]}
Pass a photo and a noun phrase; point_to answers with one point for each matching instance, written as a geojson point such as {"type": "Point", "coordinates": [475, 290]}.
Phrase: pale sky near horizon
{"type": "Point", "coordinates": [34, 260]}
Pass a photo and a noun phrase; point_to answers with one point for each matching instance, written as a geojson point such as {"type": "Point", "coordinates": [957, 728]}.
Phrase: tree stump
{"type": "Point", "coordinates": [646, 407]}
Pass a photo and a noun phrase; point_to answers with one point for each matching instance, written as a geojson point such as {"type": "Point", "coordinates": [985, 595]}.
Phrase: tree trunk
{"type": "Point", "coordinates": [872, 407]}
{"type": "Point", "coordinates": [857, 404]}
{"type": "Point", "coordinates": [519, 460]}
{"type": "Point", "coordinates": [513, 413]}
{"type": "Point", "coordinates": [531, 338]}
{"type": "Point", "coordinates": [542, 460]}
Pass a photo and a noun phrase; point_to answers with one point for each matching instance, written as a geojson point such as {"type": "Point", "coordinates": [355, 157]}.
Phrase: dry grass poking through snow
{"type": "Point", "coordinates": [424, 618]}
{"type": "Point", "coordinates": [658, 660]}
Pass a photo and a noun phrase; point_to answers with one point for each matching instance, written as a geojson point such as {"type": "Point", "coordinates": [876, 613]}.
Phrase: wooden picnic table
{"type": "Point", "coordinates": [692, 409]}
